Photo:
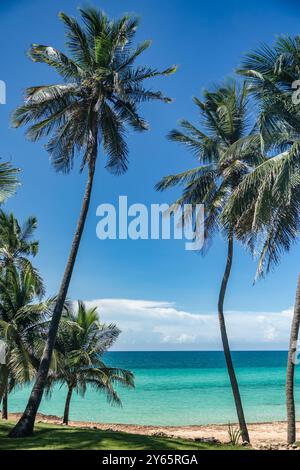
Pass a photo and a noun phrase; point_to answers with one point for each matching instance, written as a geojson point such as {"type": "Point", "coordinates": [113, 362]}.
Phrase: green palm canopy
{"type": "Point", "coordinates": [267, 202]}
{"type": "Point", "coordinates": [8, 181]}
{"type": "Point", "coordinates": [226, 147]}
{"type": "Point", "coordinates": [17, 246]}
{"type": "Point", "coordinates": [100, 93]}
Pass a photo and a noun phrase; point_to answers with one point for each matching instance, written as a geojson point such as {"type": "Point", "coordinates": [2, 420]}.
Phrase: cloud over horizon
{"type": "Point", "coordinates": [153, 325]}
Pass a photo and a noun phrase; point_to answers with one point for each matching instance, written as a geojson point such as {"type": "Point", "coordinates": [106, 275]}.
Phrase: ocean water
{"type": "Point", "coordinates": [177, 388]}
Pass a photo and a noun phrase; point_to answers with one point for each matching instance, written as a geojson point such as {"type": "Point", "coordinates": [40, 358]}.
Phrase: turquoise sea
{"type": "Point", "coordinates": [177, 388]}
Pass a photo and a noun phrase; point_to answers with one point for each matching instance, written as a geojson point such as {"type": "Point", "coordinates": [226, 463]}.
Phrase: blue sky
{"type": "Point", "coordinates": [207, 40]}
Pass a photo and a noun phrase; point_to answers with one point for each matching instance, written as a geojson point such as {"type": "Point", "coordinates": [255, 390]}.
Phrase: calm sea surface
{"type": "Point", "coordinates": [174, 388]}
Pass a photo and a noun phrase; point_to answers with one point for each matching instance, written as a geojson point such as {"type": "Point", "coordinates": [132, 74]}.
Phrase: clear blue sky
{"type": "Point", "coordinates": [207, 39]}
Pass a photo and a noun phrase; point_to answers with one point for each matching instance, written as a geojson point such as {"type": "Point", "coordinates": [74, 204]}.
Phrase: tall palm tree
{"type": "Point", "coordinates": [21, 320]}
{"type": "Point", "coordinates": [226, 153]}
{"type": "Point", "coordinates": [267, 203]}
{"type": "Point", "coordinates": [95, 105]}
{"type": "Point", "coordinates": [80, 345]}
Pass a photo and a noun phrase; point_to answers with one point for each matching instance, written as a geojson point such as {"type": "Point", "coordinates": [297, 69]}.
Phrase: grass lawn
{"type": "Point", "coordinates": [48, 436]}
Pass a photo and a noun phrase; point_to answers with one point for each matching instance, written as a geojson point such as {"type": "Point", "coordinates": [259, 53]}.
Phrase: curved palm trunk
{"type": "Point", "coordinates": [25, 425]}
{"type": "Point", "coordinates": [228, 358]}
{"type": "Point", "coordinates": [290, 375]}
{"type": "Point", "coordinates": [67, 405]}
{"type": "Point", "coordinates": [5, 405]}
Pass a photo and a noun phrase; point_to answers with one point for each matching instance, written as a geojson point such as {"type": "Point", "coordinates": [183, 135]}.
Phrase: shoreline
{"type": "Point", "coordinates": [261, 434]}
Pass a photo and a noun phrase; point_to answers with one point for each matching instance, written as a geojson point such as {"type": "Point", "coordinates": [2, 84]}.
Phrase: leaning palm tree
{"type": "Point", "coordinates": [226, 153]}
{"type": "Point", "coordinates": [80, 345]}
{"type": "Point", "coordinates": [266, 205]}
{"type": "Point", "coordinates": [94, 106]}
{"type": "Point", "coordinates": [22, 317]}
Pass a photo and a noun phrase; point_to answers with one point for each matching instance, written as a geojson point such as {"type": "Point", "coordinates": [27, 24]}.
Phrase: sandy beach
{"type": "Point", "coordinates": [262, 435]}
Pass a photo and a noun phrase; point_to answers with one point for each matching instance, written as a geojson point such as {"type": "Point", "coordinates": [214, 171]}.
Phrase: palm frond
{"type": "Point", "coordinates": [8, 181]}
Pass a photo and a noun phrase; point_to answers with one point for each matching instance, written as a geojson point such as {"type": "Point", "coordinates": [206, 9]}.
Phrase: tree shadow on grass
{"type": "Point", "coordinates": [64, 438]}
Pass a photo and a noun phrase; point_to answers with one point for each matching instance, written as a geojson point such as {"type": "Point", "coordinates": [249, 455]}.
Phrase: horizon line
{"type": "Point", "coordinates": [199, 350]}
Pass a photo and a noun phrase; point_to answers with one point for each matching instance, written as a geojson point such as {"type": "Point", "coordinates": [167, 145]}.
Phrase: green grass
{"type": "Point", "coordinates": [52, 437]}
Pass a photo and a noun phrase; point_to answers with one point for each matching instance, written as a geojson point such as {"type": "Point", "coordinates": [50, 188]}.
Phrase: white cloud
{"type": "Point", "coordinates": [152, 325]}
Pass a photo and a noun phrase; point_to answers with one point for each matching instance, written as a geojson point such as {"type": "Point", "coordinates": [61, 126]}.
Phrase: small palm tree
{"type": "Point", "coordinates": [266, 204]}
{"type": "Point", "coordinates": [226, 153]}
{"type": "Point", "coordinates": [94, 106]}
{"type": "Point", "coordinates": [80, 345]}
{"type": "Point", "coordinates": [16, 246]}
{"type": "Point", "coordinates": [21, 321]}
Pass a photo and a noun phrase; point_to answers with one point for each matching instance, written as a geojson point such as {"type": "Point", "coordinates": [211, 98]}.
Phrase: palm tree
{"type": "Point", "coordinates": [16, 245]}
{"type": "Point", "coordinates": [21, 321]}
{"type": "Point", "coordinates": [226, 154]}
{"type": "Point", "coordinates": [80, 345]}
{"type": "Point", "coordinates": [266, 204]}
{"type": "Point", "coordinates": [95, 105]}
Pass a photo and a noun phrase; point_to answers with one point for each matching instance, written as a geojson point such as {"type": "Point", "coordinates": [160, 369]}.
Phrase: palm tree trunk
{"type": "Point", "coordinates": [228, 358]}
{"type": "Point", "coordinates": [67, 406]}
{"type": "Point", "coordinates": [25, 425]}
{"type": "Point", "coordinates": [5, 405]}
{"type": "Point", "coordinates": [290, 375]}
